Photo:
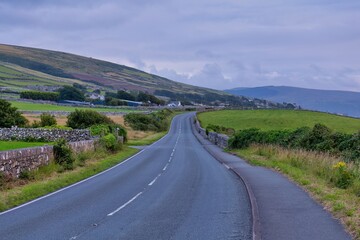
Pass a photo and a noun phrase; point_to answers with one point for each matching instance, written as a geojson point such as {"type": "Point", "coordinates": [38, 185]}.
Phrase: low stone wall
{"type": "Point", "coordinates": [13, 162]}
{"type": "Point", "coordinates": [218, 139]}
{"type": "Point", "coordinates": [83, 146]}
{"type": "Point", "coordinates": [50, 135]}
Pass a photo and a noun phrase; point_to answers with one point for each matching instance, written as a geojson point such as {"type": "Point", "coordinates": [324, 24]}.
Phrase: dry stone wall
{"type": "Point", "coordinates": [13, 162]}
{"type": "Point", "coordinates": [218, 139]}
{"type": "Point", "coordinates": [49, 135]}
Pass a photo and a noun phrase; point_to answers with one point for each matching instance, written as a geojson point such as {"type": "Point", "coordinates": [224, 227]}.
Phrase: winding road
{"type": "Point", "coordinates": [173, 189]}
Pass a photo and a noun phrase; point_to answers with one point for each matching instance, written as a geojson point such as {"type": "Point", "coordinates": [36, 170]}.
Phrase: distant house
{"type": "Point", "coordinates": [95, 96]}
{"type": "Point", "coordinates": [174, 104]}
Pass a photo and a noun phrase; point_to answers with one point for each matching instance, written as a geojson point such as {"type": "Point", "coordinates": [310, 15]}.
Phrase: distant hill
{"type": "Point", "coordinates": [340, 102]}
{"type": "Point", "coordinates": [23, 68]}
{"type": "Point", "coordinates": [64, 65]}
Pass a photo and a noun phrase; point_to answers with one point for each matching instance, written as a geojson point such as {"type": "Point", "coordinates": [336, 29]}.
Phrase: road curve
{"type": "Point", "coordinates": [283, 210]}
{"type": "Point", "coordinates": [173, 189]}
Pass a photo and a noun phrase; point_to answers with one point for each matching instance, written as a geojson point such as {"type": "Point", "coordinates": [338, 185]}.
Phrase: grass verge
{"type": "Point", "coordinates": [318, 175]}
{"type": "Point", "coordinates": [146, 140]}
{"type": "Point", "coordinates": [48, 179]}
{"type": "Point", "coordinates": [154, 136]}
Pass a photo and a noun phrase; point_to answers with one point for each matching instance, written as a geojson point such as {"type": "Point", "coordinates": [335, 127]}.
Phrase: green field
{"type": "Point", "coordinates": [9, 145]}
{"type": "Point", "coordinates": [27, 106]}
{"type": "Point", "coordinates": [277, 120]}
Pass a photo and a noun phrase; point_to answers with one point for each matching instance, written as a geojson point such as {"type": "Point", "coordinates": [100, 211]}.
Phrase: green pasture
{"type": "Point", "coordinates": [27, 106]}
{"type": "Point", "coordinates": [277, 120]}
{"type": "Point", "coordinates": [9, 145]}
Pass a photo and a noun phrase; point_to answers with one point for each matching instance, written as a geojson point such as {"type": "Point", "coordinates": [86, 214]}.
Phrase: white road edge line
{"type": "Point", "coordinates": [82, 181]}
{"type": "Point", "coordinates": [127, 203]}
{"type": "Point", "coordinates": [226, 166]}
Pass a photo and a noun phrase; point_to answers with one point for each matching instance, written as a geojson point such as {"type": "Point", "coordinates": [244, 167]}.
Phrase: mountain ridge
{"type": "Point", "coordinates": [333, 101]}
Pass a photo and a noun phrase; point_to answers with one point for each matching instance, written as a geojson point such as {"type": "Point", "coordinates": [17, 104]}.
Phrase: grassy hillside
{"type": "Point", "coordinates": [343, 102]}
{"type": "Point", "coordinates": [277, 120]}
{"type": "Point", "coordinates": [69, 67]}
{"type": "Point", "coordinates": [24, 68]}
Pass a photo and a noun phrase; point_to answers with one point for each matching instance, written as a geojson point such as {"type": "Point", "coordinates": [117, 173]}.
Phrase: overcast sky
{"type": "Point", "coordinates": [213, 43]}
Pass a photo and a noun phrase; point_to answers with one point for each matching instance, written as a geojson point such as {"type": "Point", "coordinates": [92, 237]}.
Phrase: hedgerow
{"type": "Point", "coordinates": [157, 122]}
{"type": "Point", "coordinates": [319, 138]}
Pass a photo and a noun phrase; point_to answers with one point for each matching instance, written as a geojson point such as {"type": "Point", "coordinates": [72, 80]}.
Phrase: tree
{"type": "Point", "coordinates": [47, 120]}
{"type": "Point", "coordinates": [9, 116]}
{"type": "Point", "coordinates": [145, 97]}
{"type": "Point", "coordinates": [50, 96]}
{"type": "Point", "coordinates": [81, 119]}
{"type": "Point", "coordinates": [71, 93]}
{"type": "Point", "coordinates": [125, 96]}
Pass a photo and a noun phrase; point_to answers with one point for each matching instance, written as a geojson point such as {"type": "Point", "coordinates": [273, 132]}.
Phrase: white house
{"type": "Point", "coordinates": [174, 104]}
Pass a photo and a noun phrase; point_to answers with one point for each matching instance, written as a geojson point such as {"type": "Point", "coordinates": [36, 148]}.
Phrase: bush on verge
{"type": "Point", "coordinates": [63, 154]}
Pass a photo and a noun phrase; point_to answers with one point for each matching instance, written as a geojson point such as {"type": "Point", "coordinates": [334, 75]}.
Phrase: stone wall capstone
{"type": "Point", "coordinates": [50, 135]}
{"type": "Point", "coordinates": [218, 139]}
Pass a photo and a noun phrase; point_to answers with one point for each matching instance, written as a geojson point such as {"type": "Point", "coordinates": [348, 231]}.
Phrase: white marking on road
{"type": "Point", "coordinates": [226, 166]}
{"type": "Point", "coordinates": [165, 167]}
{"type": "Point", "coordinates": [85, 180]}
{"type": "Point", "coordinates": [153, 181]}
{"type": "Point", "coordinates": [127, 203]}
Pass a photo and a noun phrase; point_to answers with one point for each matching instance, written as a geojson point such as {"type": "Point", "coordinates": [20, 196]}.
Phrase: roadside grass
{"type": "Point", "coordinates": [315, 172]}
{"type": "Point", "coordinates": [10, 145]}
{"type": "Point", "coordinates": [277, 120]}
{"type": "Point", "coordinates": [142, 138]}
{"type": "Point", "coordinates": [152, 137]}
{"type": "Point", "coordinates": [50, 178]}
{"type": "Point", "coordinates": [28, 106]}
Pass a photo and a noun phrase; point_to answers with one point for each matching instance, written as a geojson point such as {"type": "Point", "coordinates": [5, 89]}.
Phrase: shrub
{"type": "Point", "coordinates": [49, 96]}
{"type": "Point", "coordinates": [9, 116]}
{"type": "Point", "coordinates": [149, 122]}
{"type": "Point", "coordinates": [298, 138]}
{"type": "Point", "coordinates": [71, 93]}
{"type": "Point", "coordinates": [243, 138]}
{"type": "Point", "coordinates": [47, 120]}
{"type": "Point", "coordinates": [63, 154]}
{"type": "Point", "coordinates": [26, 175]}
{"type": "Point", "coordinates": [319, 138]}
{"type": "Point", "coordinates": [343, 178]}
{"type": "Point", "coordinates": [81, 119]}
{"type": "Point", "coordinates": [110, 143]}
{"type": "Point", "coordinates": [104, 129]}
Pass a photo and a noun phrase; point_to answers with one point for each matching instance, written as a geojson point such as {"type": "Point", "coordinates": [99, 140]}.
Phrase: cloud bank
{"type": "Point", "coordinates": [214, 43]}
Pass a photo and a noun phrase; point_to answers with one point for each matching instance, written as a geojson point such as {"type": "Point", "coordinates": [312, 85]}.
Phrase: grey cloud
{"type": "Point", "coordinates": [212, 43]}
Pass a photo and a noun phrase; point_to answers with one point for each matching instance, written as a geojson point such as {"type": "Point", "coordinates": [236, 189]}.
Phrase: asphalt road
{"type": "Point", "coordinates": [283, 210]}
{"type": "Point", "coordinates": [173, 189]}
